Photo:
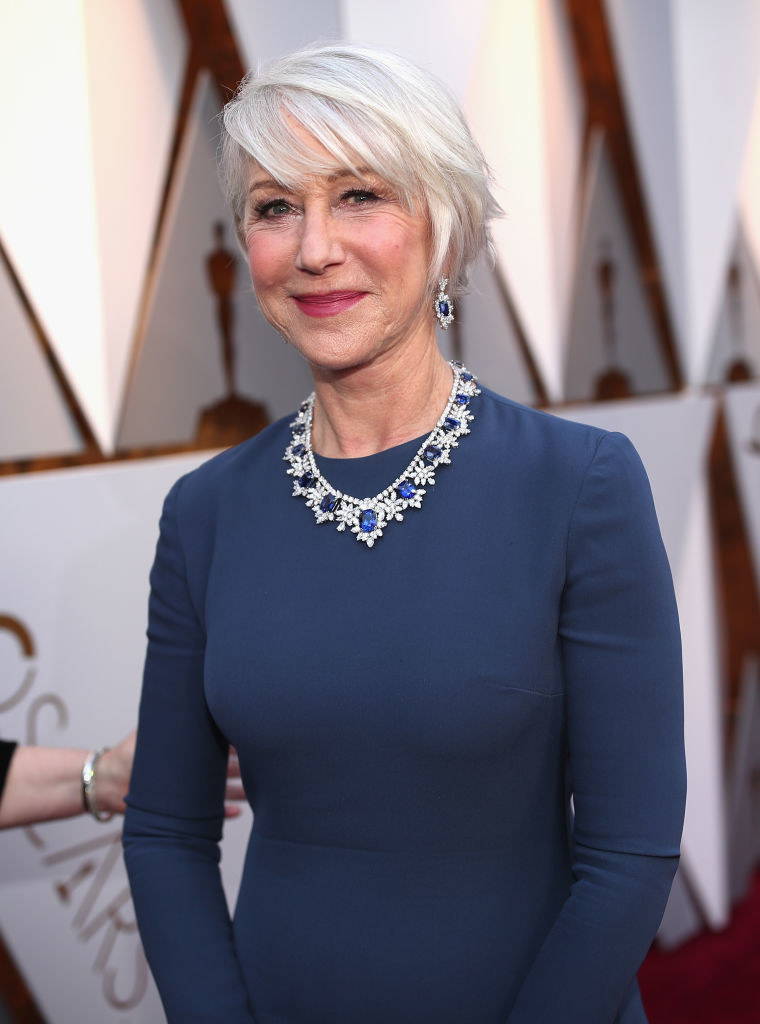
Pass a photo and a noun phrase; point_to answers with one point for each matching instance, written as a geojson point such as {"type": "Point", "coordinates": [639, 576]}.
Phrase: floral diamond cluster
{"type": "Point", "coordinates": [366, 518]}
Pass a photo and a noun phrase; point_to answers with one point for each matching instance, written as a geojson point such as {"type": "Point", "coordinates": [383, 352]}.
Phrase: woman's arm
{"type": "Point", "coordinates": [45, 783]}
{"type": "Point", "coordinates": [174, 812]}
{"type": "Point", "coordinates": [621, 656]}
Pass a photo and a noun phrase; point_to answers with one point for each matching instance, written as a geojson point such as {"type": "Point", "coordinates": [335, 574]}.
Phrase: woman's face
{"type": "Point", "coordinates": [339, 267]}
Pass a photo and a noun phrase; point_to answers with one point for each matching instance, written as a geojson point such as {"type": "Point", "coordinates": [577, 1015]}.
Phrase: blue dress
{"type": "Point", "coordinates": [411, 722]}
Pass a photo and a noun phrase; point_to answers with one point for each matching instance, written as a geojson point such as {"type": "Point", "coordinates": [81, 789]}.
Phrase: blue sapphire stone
{"type": "Point", "coordinates": [299, 449]}
{"type": "Point", "coordinates": [461, 399]}
{"type": "Point", "coordinates": [455, 362]}
{"type": "Point", "coordinates": [432, 452]}
{"type": "Point", "coordinates": [307, 480]}
{"type": "Point", "coordinates": [466, 377]}
{"type": "Point", "coordinates": [451, 423]}
{"type": "Point", "coordinates": [328, 503]}
{"type": "Point", "coordinates": [443, 307]}
{"type": "Point", "coordinates": [368, 521]}
{"type": "Point", "coordinates": [407, 489]}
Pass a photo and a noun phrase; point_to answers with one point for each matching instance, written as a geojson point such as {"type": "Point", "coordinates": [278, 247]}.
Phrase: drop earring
{"type": "Point", "coordinates": [443, 305]}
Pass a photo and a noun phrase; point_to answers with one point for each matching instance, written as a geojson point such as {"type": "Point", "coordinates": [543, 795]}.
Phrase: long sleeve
{"type": "Point", "coordinates": [175, 808]}
{"type": "Point", "coordinates": [621, 659]}
{"type": "Point", "coordinates": [7, 750]}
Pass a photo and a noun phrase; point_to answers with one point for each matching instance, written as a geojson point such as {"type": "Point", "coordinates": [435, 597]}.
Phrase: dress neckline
{"type": "Point", "coordinates": [326, 461]}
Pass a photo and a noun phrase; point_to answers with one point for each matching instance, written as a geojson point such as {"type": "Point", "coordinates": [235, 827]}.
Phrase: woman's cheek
{"type": "Point", "coordinates": [267, 259]}
{"type": "Point", "coordinates": [273, 310]}
{"type": "Point", "coordinates": [259, 270]}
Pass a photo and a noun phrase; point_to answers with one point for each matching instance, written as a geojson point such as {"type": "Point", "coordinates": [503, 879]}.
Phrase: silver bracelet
{"type": "Point", "coordinates": [89, 802]}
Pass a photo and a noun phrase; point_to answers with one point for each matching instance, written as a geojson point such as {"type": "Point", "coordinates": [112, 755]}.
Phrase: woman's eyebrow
{"type": "Point", "coordinates": [264, 183]}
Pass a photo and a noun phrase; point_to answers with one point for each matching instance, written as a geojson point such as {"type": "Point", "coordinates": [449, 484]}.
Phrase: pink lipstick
{"type": "Point", "coordinates": [328, 304]}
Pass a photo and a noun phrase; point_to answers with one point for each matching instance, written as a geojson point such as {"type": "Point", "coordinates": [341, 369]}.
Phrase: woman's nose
{"type": "Point", "coordinates": [319, 245]}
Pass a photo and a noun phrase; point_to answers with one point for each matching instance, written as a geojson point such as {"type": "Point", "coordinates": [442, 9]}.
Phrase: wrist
{"type": "Point", "coordinates": [112, 780]}
{"type": "Point", "coordinates": [94, 786]}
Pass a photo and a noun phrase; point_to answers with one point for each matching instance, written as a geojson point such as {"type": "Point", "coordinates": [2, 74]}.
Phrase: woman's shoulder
{"type": "Point", "coordinates": [555, 454]}
{"type": "Point", "coordinates": [224, 472]}
{"type": "Point", "coordinates": [561, 466]}
{"type": "Point", "coordinates": [536, 433]}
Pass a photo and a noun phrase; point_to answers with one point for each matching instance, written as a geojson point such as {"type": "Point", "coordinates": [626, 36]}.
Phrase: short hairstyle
{"type": "Point", "coordinates": [372, 109]}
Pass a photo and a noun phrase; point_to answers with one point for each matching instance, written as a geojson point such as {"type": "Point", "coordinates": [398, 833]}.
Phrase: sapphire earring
{"type": "Point", "coordinates": [443, 305]}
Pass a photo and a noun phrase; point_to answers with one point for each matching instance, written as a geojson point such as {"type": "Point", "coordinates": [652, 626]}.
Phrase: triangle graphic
{"type": "Point", "coordinates": [132, 117]}
{"type": "Point", "coordinates": [508, 105]}
{"type": "Point", "coordinates": [735, 354]}
{"type": "Point", "coordinates": [612, 350]}
{"type": "Point", "coordinates": [715, 111]}
{"type": "Point", "coordinates": [642, 35]}
{"type": "Point", "coordinates": [46, 199]}
{"type": "Point", "coordinates": [34, 418]}
{"type": "Point", "coordinates": [490, 346]}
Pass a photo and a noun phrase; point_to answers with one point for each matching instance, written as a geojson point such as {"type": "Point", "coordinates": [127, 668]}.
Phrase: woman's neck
{"type": "Point", "coordinates": [366, 410]}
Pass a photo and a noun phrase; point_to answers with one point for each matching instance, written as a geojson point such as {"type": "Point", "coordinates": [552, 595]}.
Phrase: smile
{"type": "Point", "coordinates": [328, 304]}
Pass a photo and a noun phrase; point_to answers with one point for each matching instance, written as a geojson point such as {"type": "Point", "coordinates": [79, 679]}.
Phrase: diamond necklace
{"type": "Point", "coordinates": [366, 518]}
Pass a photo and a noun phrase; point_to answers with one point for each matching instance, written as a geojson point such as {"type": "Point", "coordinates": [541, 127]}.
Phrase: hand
{"type": "Point", "coordinates": [234, 790]}
{"type": "Point", "coordinates": [115, 767]}
{"type": "Point", "coordinates": [112, 775]}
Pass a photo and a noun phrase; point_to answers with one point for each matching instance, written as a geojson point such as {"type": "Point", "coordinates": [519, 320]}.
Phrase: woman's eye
{"type": "Point", "coordinates": [359, 196]}
{"type": "Point", "coordinates": [273, 208]}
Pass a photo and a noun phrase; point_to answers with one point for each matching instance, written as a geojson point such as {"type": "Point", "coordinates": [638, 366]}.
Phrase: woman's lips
{"type": "Point", "coordinates": [328, 304]}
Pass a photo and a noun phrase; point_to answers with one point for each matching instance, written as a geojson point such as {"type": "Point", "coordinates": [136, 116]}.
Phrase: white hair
{"type": "Point", "coordinates": [369, 109]}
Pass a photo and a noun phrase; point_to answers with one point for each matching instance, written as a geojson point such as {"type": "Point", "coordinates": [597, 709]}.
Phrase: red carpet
{"type": "Point", "coordinates": [714, 978]}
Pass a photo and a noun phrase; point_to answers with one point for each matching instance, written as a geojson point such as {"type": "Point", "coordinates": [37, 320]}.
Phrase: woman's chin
{"type": "Point", "coordinates": [337, 355]}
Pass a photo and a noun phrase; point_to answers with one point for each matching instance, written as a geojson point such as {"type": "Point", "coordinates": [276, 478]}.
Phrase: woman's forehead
{"type": "Point", "coordinates": [260, 177]}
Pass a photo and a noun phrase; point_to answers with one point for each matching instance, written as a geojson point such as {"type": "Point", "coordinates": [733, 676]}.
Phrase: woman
{"type": "Point", "coordinates": [416, 681]}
